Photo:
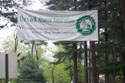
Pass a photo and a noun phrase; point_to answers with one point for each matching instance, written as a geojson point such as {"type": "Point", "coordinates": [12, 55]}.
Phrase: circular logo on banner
{"type": "Point", "coordinates": [86, 25]}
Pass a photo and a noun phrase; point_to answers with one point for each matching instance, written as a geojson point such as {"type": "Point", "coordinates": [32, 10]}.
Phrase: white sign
{"type": "Point", "coordinates": [12, 65]}
{"type": "Point", "coordinates": [57, 25]}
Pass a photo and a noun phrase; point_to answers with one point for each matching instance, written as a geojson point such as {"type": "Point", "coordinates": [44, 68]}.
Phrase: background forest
{"type": "Point", "coordinates": [101, 61]}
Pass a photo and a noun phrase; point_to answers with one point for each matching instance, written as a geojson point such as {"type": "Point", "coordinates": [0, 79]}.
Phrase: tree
{"type": "Point", "coordinates": [22, 49]}
{"type": "Point", "coordinates": [123, 15]}
{"type": "Point", "coordinates": [68, 55]}
{"type": "Point", "coordinates": [59, 5]}
{"type": "Point", "coordinates": [113, 32]}
{"type": "Point", "coordinates": [57, 73]}
{"type": "Point", "coordinates": [29, 71]}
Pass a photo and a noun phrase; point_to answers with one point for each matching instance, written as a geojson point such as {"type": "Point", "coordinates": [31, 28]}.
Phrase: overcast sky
{"type": "Point", "coordinates": [8, 31]}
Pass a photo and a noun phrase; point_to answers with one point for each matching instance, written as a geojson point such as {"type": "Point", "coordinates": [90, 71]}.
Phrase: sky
{"type": "Point", "coordinates": [8, 31]}
{"type": "Point", "coordinates": [37, 5]}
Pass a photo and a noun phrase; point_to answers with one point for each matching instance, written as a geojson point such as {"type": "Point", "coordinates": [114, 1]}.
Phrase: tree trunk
{"type": "Point", "coordinates": [53, 75]}
{"type": "Point", "coordinates": [106, 39]}
{"type": "Point", "coordinates": [75, 54]}
{"type": "Point", "coordinates": [123, 71]}
{"type": "Point", "coordinates": [123, 14]}
{"type": "Point", "coordinates": [0, 80]}
{"type": "Point", "coordinates": [94, 68]}
{"type": "Point", "coordinates": [113, 75]}
{"type": "Point", "coordinates": [113, 78]}
{"type": "Point", "coordinates": [75, 4]}
{"type": "Point", "coordinates": [71, 75]}
{"type": "Point", "coordinates": [106, 78]}
{"type": "Point", "coordinates": [97, 59]}
{"type": "Point", "coordinates": [53, 81]}
{"type": "Point", "coordinates": [122, 2]}
{"type": "Point", "coordinates": [16, 44]}
{"type": "Point", "coordinates": [75, 69]}
{"type": "Point", "coordinates": [37, 56]}
{"type": "Point", "coordinates": [75, 64]}
{"type": "Point", "coordinates": [85, 63]}
{"type": "Point", "coordinates": [106, 74]}
{"type": "Point", "coordinates": [123, 75]}
{"type": "Point", "coordinates": [92, 49]}
{"type": "Point", "coordinates": [32, 48]}
{"type": "Point", "coordinates": [90, 67]}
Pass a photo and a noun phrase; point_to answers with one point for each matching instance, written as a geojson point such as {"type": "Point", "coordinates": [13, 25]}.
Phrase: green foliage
{"type": "Point", "coordinates": [68, 51]}
{"type": "Point", "coordinates": [8, 10]}
{"type": "Point", "coordinates": [80, 72]}
{"type": "Point", "coordinates": [5, 7]}
{"type": "Point", "coordinates": [29, 71]}
{"type": "Point", "coordinates": [112, 67]}
{"type": "Point", "coordinates": [60, 4]}
{"type": "Point", "coordinates": [60, 75]}
{"type": "Point", "coordinates": [110, 43]}
{"type": "Point", "coordinates": [110, 47]}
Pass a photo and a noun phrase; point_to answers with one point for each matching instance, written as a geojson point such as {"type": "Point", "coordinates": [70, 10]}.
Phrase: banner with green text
{"type": "Point", "coordinates": [57, 25]}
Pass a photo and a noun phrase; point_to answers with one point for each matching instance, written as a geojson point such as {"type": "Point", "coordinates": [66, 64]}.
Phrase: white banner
{"type": "Point", "coordinates": [57, 25]}
{"type": "Point", "coordinates": [12, 65]}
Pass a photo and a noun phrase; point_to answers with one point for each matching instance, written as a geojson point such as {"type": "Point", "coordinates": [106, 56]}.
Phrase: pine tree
{"type": "Point", "coordinates": [29, 71]}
